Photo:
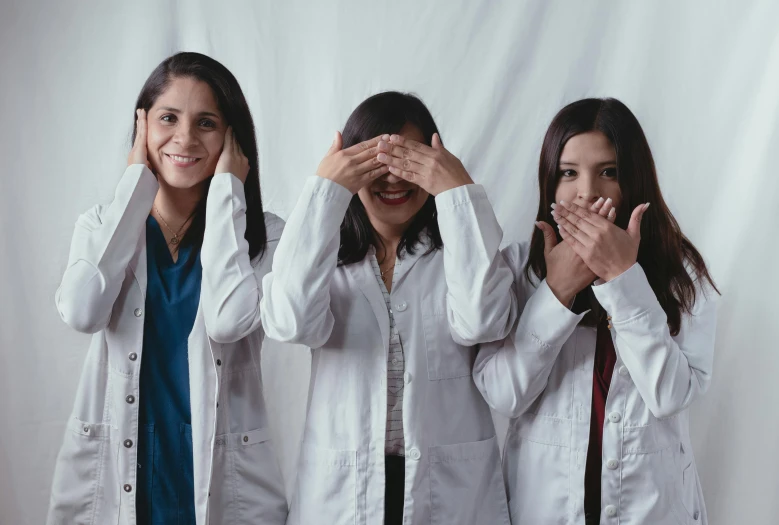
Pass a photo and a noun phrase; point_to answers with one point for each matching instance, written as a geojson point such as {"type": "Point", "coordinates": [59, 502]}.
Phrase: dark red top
{"type": "Point", "coordinates": [605, 357]}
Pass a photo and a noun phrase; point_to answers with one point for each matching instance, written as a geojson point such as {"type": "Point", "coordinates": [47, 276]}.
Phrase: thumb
{"type": "Point", "coordinates": [634, 226]}
{"type": "Point", "coordinates": [436, 142]}
{"type": "Point", "coordinates": [337, 144]}
{"type": "Point", "coordinates": [550, 239]}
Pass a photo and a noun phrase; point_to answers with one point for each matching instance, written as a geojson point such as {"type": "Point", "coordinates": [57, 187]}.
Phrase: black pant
{"type": "Point", "coordinates": [395, 482]}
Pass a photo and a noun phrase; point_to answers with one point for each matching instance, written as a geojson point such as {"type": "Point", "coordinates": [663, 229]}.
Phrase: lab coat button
{"type": "Point", "coordinates": [130, 399]}
{"type": "Point", "coordinates": [395, 360]}
{"type": "Point", "coordinates": [414, 453]}
{"type": "Point", "coordinates": [611, 511]}
{"type": "Point", "coordinates": [407, 377]}
{"type": "Point", "coordinates": [696, 515]}
{"type": "Point", "coordinates": [401, 307]}
{"type": "Point", "coordinates": [128, 488]}
{"type": "Point", "coordinates": [614, 417]}
{"type": "Point", "coordinates": [138, 312]}
{"type": "Point", "coordinates": [218, 362]}
{"type": "Point", "coordinates": [612, 464]}
{"type": "Point", "coordinates": [86, 429]}
{"type": "Point", "coordinates": [133, 356]}
{"type": "Point", "coordinates": [623, 371]}
{"type": "Point", "coordinates": [128, 443]}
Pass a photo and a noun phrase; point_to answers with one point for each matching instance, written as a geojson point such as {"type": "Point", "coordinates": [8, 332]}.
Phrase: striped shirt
{"type": "Point", "coordinates": [394, 444]}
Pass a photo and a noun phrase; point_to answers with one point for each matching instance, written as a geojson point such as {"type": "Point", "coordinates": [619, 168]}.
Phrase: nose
{"type": "Point", "coordinates": [390, 178]}
{"type": "Point", "coordinates": [185, 135]}
{"type": "Point", "coordinates": [587, 190]}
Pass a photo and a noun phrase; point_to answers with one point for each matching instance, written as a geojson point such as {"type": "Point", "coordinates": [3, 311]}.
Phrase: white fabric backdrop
{"type": "Point", "coordinates": [702, 77]}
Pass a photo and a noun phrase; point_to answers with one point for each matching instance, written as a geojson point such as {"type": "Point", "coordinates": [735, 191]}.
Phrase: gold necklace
{"type": "Point", "coordinates": [176, 238]}
{"type": "Point", "coordinates": [383, 278]}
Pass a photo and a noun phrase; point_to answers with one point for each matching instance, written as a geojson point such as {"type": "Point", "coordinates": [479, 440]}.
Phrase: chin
{"type": "Point", "coordinates": [182, 181]}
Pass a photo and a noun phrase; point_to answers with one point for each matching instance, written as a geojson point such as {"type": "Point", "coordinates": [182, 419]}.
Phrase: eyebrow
{"type": "Point", "coordinates": [604, 163]}
{"type": "Point", "coordinates": [201, 114]}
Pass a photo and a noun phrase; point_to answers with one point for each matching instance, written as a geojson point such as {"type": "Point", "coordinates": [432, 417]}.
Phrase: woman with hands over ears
{"type": "Point", "coordinates": [169, 423]}
{"type": "Point", "coordinates": [614, 341]}
{"type": "Point", "coordinates": [389, 269]}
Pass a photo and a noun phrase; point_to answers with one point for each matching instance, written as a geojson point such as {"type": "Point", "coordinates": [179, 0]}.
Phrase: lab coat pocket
{"type": "Point", "coordinates": [326, 487]}
{"type": "Point", "coordinates": [466, 484]}
{"type": "Point", "coordinates": [247, 486]}
{"type": "Point", "coordinates": [83, 464]}
{"type": "Point", "coordinates": [445, 358]}
{"type": "Point", "coordinates": [536, 466]}
{"type": "Point", "coordinates": [689, 488]}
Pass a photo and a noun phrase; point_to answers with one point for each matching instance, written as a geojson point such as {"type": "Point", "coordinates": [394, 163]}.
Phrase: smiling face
{"type": "Point", "coordinates": [185, 133]}
{"type": "Point", "coordinates": [588, 171]}
{"type": "Point", "coordinates": [391, 202]}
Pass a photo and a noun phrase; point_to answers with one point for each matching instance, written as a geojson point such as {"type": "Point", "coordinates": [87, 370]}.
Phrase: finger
{"type": "Point", "coordinates": [362, 146]}
{"type": "Point", "coordinates": [403, 164]}
{"type": "Point", "coordinates": [423, 149]}
{"type": "Point", "coordinates": [607, 207]}
{"type": "Point", "coordinates": [586, 216]}
{"type": "Point", "coordinates": [369, 165]}
{"type": "Point", "coordinates": [401, 152]}
{"type": "Point", "coordinates": [436, 142]}
{"type": "Point", "coordinates": [336, 144]}
{"type": "Point", "coordinates": [550, 239]}
{"type": "Point", "coordinates": [570, 240]}
{"type": "Point", "coordinates": [559, 211]}
{"type": "Point", "coordinates": [577, 233]}
{"type": "Point", "coordinates": [612, 215]}
{"type": "Point", "coordinates": [228, 143]}
{"type": "Point", "coordinates": [634, 226]}
{"type": "Point", "coordinates": [597, 206]}
{"type": "Point", "coordinates": [410, 176]}
{"type": "Point", "coordinates": [142, 126]}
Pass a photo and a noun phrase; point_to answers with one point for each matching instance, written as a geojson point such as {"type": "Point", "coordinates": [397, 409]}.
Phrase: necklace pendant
{"type": "Point", "coordinates": [174, 239]}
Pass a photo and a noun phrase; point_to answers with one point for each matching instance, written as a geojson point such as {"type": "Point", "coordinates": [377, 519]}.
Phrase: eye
{"type": "Point", "coordinates": [207, 123]}
{"type": "Point", "coordinates": [567, 173]}
{"type": "Point", "coordinates": [610, 173]}
{"type": "Point", "coordinates": [168, 118]}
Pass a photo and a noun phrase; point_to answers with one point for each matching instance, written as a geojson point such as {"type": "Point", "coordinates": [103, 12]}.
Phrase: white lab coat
{"type": "Point", "coordinates": [541, 376]}
{"type": "Point", "coordinates": [236, 475]}
{"type": "Point", "coordinates": [444, 303]}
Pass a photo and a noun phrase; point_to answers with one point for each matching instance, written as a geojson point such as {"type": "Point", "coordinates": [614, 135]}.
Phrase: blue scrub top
{"type": "Point", "coordinates": [165, 482]}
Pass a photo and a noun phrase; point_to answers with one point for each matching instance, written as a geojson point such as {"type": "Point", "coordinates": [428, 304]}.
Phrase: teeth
{"type": "Point", "coordinates": [399, 195]}
{"type": "Point", "coordinates": [178, 158]}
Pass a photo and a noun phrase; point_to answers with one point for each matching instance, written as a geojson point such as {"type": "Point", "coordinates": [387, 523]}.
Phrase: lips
{"type": "Point", "coordinates": [394, 198]}
{"type": "Point", "coordinates": [182, 161]}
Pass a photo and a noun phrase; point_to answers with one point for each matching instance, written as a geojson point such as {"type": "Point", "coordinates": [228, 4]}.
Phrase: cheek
{"type": "Point", "coordinates": [565, 192]}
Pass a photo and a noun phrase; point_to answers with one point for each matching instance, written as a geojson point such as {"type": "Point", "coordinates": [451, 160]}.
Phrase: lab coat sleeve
{"type": "Point", "coordinates": [481, 302]}
{"type": "Point", "coordinates": [669, 372]}
{"type": "Point", "coordinates": [231, 289]}
{"type": "Point", "coordinates": [513, 372]}
{"type": "Point", "coordinates": [104, 241]}
{"type": "Point", "coordinates": [295, 307]}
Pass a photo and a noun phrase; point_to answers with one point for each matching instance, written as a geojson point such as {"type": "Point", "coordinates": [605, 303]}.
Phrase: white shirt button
{"type": "Point", "coordinates": [401, 307]}
{"type": "Point", "coordinates": [407, 377]}
{"type": "Point", "coordinates": [414, 453]}
{"type": "Point", "coordinates": [395, 361]}
{"type": "Point", "coordinates": [138, 312]}
{"type": "Point", "coordinates": [614, 417]}
{"type": "Point", "coordinates": [623, 371]}
{"type": "Point", "coordinates": [612, 464]}
{"type": "Point", "coordinates": [611, 511]}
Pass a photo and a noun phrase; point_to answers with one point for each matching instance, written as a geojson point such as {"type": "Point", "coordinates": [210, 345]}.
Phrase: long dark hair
{"type": "Point", "coordinates": [382, 113]}
{"type": "Point", "coordinates": [233, 106]}
{"type": "Point", "coordinates": [664, 252]}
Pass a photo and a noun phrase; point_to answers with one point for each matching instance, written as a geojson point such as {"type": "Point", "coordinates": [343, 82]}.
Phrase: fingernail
{"type": "Point", "coordinates": [562, 202]}
{"type": "Point", "coordinates": [609, 201]}
{"type": "Point", "coordinates": [385, 137]}
{"type": "Point", "coordinates": [646, 206]}
{"type": "Point", "coordinates": [554, 205]}
{"type": "Point", "coordinates": [382, 157]}
{"type": "Point", "coordinates": [599, 201]}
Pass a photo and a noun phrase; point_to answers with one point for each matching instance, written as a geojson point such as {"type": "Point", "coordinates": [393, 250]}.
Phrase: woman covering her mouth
{"type": "Point", "coordinates": [389, 270]}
